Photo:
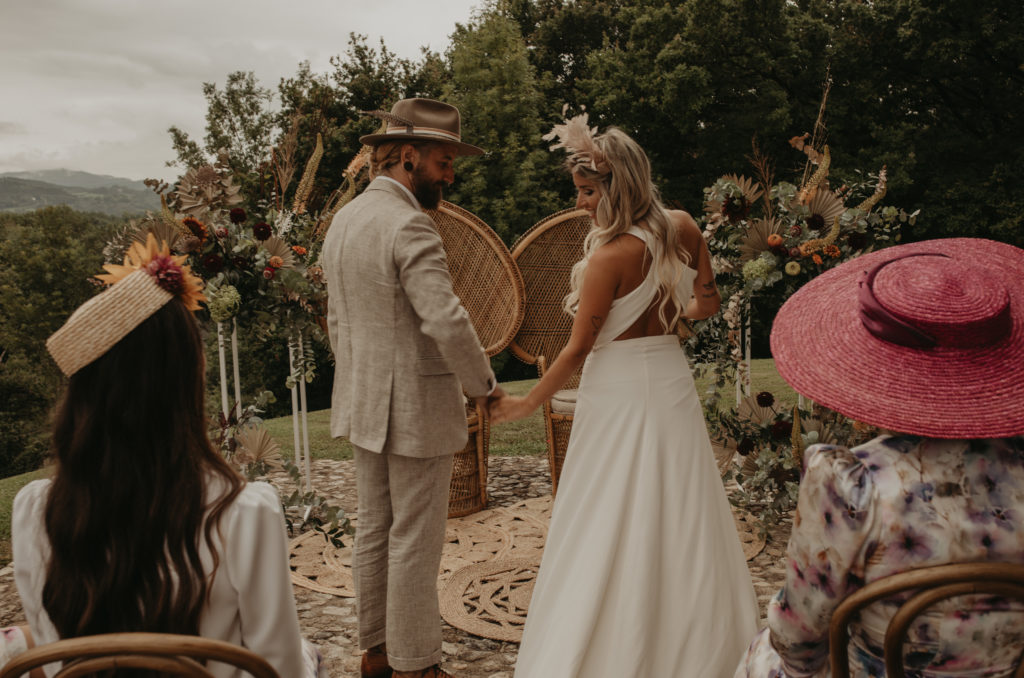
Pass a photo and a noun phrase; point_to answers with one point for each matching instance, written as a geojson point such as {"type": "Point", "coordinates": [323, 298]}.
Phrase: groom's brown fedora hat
{"type": "Point", "coordinates": [421, 120]}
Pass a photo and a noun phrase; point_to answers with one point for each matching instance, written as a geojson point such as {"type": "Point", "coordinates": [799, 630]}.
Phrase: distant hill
{"type": "Point", "coordinates": [75, 179]}
{"type": "Point", "coordinates": [27, 191]}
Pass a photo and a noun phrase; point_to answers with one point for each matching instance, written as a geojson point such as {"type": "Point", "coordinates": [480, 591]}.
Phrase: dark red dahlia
{"type": "Point", "coordinates": [857, 241]}
{"type": "Point", "coordinates": [167, 274]}
{"type": "Point", "coordinates": [237, 215]}
{"type": "Point", "coordinates": [261, 231]}
{"type": "Point", "coordinates": [815, 222]}
{"type": "Point", "coordinates": [213, 262]}
{"type": "Point", "coordinates": [782, 430]}
{"type": "Point", "coordinates": [239, 261]}
{"type": "Point", "coordinates": [765, 399]}
{"type": "Point", "coordinates": [736, 208]}
{"type": "Point", "coordinates": [745, 447]}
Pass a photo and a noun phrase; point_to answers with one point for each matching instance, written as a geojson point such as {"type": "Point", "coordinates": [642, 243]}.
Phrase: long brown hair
{"type": "Point", "coordinates": [137, 485]}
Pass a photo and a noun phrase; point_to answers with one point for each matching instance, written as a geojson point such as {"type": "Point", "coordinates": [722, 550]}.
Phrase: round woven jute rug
{"type": "Point", "coordinates": [490, 599]}
{"type": "Point", "coordinates": [516, 531]}
{"type": "Point", "coordinates": [488, 566]}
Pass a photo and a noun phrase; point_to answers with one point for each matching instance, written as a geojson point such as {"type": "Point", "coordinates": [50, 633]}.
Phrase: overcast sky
{"type": "Point", "coordinates": [93, 85]}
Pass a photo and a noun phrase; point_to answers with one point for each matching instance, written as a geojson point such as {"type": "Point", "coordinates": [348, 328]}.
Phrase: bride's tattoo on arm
{"type": "Point", "coordinates": [595, 322]}
{"type": "Point", "coordinates": [709, 289]}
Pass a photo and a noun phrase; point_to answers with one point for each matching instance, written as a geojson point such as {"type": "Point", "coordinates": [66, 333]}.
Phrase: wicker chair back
{"type": "Point", "coordinates": [484, 276]}
{"type": "Point", "coordinates": [545, 255]}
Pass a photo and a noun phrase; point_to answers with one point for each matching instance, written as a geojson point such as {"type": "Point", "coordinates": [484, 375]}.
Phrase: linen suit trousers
{"type": "Point", "coordinates": [403, 507]}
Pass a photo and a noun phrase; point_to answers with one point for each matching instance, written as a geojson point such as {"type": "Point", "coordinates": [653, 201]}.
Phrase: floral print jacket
{"type": "Point", "coordinates": [893, 504]}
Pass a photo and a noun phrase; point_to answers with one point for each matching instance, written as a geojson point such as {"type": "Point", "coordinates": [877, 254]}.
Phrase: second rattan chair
{"type": "Point", "coordinates": [545, 256]}
{"type": "Point", "coordinates": [171, 654]}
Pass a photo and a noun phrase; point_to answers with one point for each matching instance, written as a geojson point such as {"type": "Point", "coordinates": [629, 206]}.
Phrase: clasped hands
{"type": "Point", "coordinates": [502, 407]}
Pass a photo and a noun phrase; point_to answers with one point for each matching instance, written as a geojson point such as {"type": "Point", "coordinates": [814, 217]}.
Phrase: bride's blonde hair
{"type": "Point", "coordinates": [628, 198]}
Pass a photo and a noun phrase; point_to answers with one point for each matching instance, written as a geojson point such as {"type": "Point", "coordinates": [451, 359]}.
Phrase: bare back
{"type": "Point", "coordinates": [635, 261]}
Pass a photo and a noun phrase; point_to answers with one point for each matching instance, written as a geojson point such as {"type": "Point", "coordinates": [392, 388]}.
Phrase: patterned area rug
{"type": "Point", "coordinates": [488, 566]}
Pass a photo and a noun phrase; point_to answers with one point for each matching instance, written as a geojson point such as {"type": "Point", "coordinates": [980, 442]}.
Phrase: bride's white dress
{"type": "Point", "coordinates": [643, 574]}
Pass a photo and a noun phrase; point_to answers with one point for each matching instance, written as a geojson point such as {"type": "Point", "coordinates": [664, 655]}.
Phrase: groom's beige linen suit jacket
{"type": "Point", "coordinates": [402, 341]}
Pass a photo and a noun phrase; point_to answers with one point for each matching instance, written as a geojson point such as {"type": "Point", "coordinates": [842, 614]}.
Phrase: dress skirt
{"type": "Point", "coordinates": [643, 574]}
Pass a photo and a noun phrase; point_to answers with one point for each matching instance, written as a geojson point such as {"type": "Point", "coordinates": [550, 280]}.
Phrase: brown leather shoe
{"type": "Point", "coordinates": [434, 671]}
{"type": "Point", "coordinates": [375, 663]}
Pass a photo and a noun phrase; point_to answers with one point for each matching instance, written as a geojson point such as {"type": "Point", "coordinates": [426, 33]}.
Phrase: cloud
{"type": "Point", "coordinates": [95, 84]}
{"type": "Point", "coordinates": [8, 128]}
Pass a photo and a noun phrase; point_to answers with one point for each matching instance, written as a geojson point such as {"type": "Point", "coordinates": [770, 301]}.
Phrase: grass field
{"type": "Point", "coordinates": [525, 437]}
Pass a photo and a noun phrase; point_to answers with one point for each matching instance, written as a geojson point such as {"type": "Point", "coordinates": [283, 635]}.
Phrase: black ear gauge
{"type": "Point", "coordinates": [407, 166]}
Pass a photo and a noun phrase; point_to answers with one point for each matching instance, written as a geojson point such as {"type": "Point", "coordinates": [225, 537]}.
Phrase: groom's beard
{"type": "Point", "coordinates": [426, 191]}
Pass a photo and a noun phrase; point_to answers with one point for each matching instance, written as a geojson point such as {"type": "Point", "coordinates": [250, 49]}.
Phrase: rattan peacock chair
{"type": "Point", "coordinates": [488, 283]}
{"type": "Point", "coordinates": [545, 256]}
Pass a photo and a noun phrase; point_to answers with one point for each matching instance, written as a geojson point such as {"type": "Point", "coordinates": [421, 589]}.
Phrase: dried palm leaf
{"type": "Point", "coordinates": [750, 410]}
{"type": "Point", "coordinates": [277, 247]}
{"type": "Point", "coordinates": [825, 204]}
{"type": "Point", "coordinates": [756, 239]}
{"type": "Point", "coordinates": [254, 445]}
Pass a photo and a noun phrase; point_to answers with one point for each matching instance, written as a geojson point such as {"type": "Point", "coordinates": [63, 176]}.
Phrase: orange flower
{"type": "Point", "coordinates": [298, 249]}
{"type": "Point", "coordinates": [169, 272]}
{"type": "Point", "coordinates": [832, 251]}
{"type": "Point", "coordinates": [774, 240]}
{"type": "Point", "coordinates": [816, 259]}
{"type": "Point", "coordinates": [197, 228]}
{"type": "Point", "coordinates": [275, 262]}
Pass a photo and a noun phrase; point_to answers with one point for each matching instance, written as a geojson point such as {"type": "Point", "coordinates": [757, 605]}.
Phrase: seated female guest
{"type": "Point", "coordinates": [926, 341]}
{"type": "Point", "coordinates": [144, 526]}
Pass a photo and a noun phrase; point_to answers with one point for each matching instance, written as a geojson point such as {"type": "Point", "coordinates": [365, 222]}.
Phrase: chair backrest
{"type": "Point", "coordinates": [545, 256]}
{"type": "Point", "coordinates": [166, 652]}
{"type": "Point", "coordinates": [932, 584]}
{"type": "Point", "coordinates": [483, 274]}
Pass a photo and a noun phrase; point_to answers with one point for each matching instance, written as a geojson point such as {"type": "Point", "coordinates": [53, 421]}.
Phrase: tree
{"type": "Point", "coordinates": [240, 119]}
{"type": "Point", "coordinates": [493, 84]}
{"type": "Point", "coordinates": [51, 254]}
{"type": "Point", "coordinates": [936, 92]}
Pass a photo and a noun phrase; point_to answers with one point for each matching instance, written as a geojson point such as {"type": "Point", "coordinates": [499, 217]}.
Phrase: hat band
{"type": "Point", "coordinates": [424, 131]}
{"type": "Point", "coordinates": [884, 325]}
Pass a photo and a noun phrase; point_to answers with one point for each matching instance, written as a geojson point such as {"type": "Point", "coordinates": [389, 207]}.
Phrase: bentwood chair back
{"type": "Point", "coordinates": [930, 585]}
{"type": "Point", "coordinates": [171, 654]}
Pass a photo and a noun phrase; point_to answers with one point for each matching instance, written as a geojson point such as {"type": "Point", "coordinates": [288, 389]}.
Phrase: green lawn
{"type": "Point", "coordinates": [526, 437]}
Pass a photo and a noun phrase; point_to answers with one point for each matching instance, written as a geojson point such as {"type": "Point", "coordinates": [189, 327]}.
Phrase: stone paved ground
{"type": "Point", "coordinates": [330, 621]}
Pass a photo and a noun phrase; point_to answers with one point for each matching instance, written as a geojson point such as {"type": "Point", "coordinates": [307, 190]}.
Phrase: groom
{"type": "Point", "coordinates": [404, 352]}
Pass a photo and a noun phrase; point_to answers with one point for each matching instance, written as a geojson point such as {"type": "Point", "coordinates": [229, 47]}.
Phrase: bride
{"type": "Point", "coordinates": [643, 574]}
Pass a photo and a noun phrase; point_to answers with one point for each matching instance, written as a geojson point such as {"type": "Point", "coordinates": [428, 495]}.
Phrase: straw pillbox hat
{"type": "Point", "coordinates": [925, 338]}
{"type": "Point", "coordinates": [149, 278]}
{"type": "Point", "coordinates": [422, 120]}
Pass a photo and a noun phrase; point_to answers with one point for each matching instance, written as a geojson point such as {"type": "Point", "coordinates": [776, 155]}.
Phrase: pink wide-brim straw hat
{"type": "Point", "coordinates": [925, 338]}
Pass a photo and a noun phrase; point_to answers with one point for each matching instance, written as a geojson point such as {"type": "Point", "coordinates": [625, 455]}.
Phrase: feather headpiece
{"type": "Point", "coordinates": [578, 139]}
